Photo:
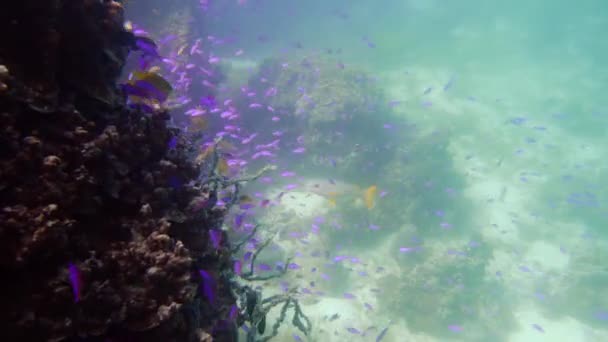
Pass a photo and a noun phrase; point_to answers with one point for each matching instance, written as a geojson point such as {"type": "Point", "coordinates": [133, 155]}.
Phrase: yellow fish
{"type": "Point", "coordinates": [198, 123]}
{"type": "Point", "coordinates": [222, 167]}
{"type": "Point", "coordinates": [245, 199]}
{"type": "Point", "coordinates": [150, 84]}
{"type": "Point", "coordinates": [155, 69]}
{"type": "Point", "coordinates": [369, 196]}
{"type": "Point", "coordinates": [181, 50]}
{"type": "Point", "coordinates": [201, 157]}
{"type": "Point", "coordinates": [128, 26]}
{"type": "Point", "coordinates": [331, 189]}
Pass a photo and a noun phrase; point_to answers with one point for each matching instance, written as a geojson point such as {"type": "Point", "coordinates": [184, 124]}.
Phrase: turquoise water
{"type": "Point", "coordinates": [486, 140]}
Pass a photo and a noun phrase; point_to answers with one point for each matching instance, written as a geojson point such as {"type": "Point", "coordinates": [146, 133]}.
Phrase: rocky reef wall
{"type": "Point", "coordinates": [98, 238]}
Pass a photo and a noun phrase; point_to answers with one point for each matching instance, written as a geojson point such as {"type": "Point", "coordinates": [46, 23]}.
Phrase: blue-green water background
{"type": "Point", "coordinates": [521, 139]}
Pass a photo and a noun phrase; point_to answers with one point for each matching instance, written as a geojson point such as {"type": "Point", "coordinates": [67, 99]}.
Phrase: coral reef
{"type": "Point", "coordinates": [335, 109]}
{"type": "Point", "coordinates": [96, 209]}
{"type": "Point", "coordinates": [440, 280]}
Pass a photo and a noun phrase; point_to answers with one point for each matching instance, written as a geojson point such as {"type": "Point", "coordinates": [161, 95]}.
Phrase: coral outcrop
{"type": "Point", "coordinates": [335, 109]}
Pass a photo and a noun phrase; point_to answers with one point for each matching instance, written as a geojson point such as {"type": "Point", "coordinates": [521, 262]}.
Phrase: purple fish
{"type": "Point", "coordinates": [216, 238]}
{"type": "Point", "coordinates": [172, 144]}
{"type": "Point", "coordinates": [353, 331]}
{"type": "Point", "coordinates": [75, 280]}
{"type": "Point", "coordinates": [518, 121]}
{"type": "Point", "coordinates": [234, 312]}
{"type": "Point", "coordinates": [238, 220]}
{"type": "Point", "coordinates": [238, 267]}
{"type": "Point", "coordinates": [601, 315]}
{"type": "Point", "coordinates": [383, 332]}
{"type": "Point", "coordinates": [525, 269]}
{"type": "Point", "coordinates": [455, 328]}
{"type": "Point", "coordinates": [208, 285]}
{"type": "Point", "coordinates": [538, 327]}
{"type": "Point", "coordinates": [448, 85]}
{"type": "Point", "coordinates": [208, 101]}
{"type": "Point", "coordinates": [147, 46]}
{"type": "Point", "coordinates": [349, 295]}
{"type": "Point", "coordinates": [264, 267]}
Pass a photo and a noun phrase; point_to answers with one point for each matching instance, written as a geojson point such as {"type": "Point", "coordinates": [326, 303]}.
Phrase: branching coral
{"type": "Point", "coordinates": [256, 308]}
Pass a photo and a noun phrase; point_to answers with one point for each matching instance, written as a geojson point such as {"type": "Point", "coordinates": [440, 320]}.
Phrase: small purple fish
{"type": "Point", "coordinates": [264, 267]}
{"type": "Point", "coordinates": [518, 121]}
{"type": "Point", "coordinates": [238, 220]}
{"type": "Point", "coordinates": [290, 186]}
{"type": "Point", "coordinates": [293, 266]}
{"type": "Point", "coordinates": [75, 280]}
{"type": "Point", "coordinates": [455, 328]}
{"type": "Point", "coordinates": [234, 312]}
{"type": "Point", "coordinates": [449, 84]}
{"type": "Point", "coordinates": [208, 285]}
{"type": "Point", "coordinates": [601, 315]}
{"type": "Point", "coordinates": [349, 295]}
{"type": "Point", "coordinates": [247, 256]}
{"type": "Point", "coordinates": [445, 225]}
{"type": "Point", "coordinates": [172, 143]}
{"type": "Point", "coordinates": [238, 267]}
{"type": "Point", "coordinates": [538, 327]}
{"type": "Point", "coordinates": [353, 331]}
{"type": "Point", "coordinates": [216, 238]}
{"type": "Point", "coordinates": [525, 269]}
{"type": "Point", "coordinates": [383, 332]}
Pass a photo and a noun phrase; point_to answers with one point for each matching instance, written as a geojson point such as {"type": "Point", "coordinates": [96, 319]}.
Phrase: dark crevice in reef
{"type": "Point", "coordinates": [87, 184]}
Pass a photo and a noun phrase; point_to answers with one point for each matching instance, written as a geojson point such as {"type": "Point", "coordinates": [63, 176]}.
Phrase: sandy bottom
{"type": "Point", "coordinates": [501, 188]}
